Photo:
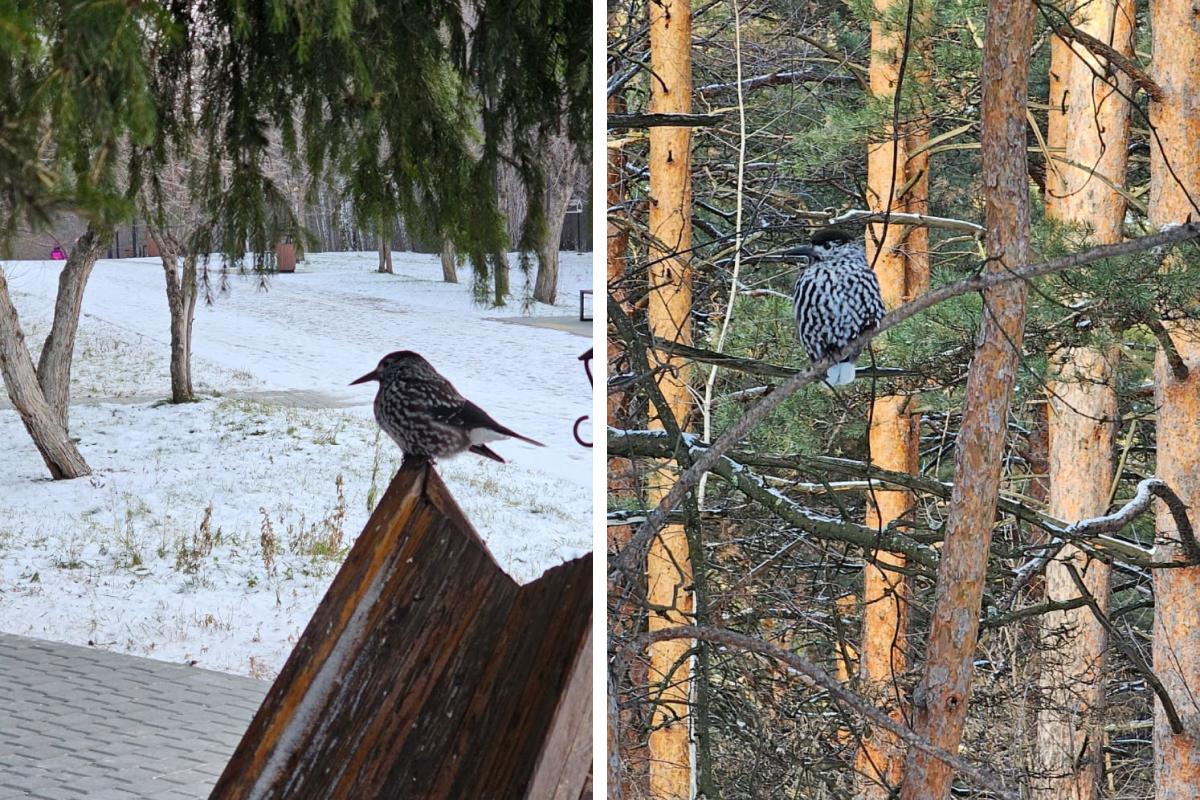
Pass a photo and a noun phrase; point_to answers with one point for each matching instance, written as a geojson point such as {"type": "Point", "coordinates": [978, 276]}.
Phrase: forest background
{"type": "Point", "coordinates": [961, 553]}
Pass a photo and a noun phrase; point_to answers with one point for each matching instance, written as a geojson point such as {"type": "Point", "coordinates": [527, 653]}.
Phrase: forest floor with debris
{"type": "Point", "coordinates": [209, 531]}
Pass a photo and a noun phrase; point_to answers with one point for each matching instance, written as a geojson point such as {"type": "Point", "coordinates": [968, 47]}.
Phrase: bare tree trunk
{"type": "Point", "coordinates": [1083, 407]}
{"type": "Point", "coordinates": [896, 182]}
{"type": "Point", "coordinates": [499, 279]}
{"type": "Point", "coordinates": [54, 365]}
{"type": "Point", "coordinates": [449, 261]}
{"type": "Point", "coordinates": [669, 308]}
{"type": "Point", "coordinates": [40, 420]}
{"type": "Point", "coordinates": [562, 166]}
{"type": "Point", "coordinates": [1175, 174]}
{"type": "Point", "coordinates": [182, 289]}
{"type": "Point", "coordinates": [940, 702]}
{"type": "Point", "coordinates": [384, 236]}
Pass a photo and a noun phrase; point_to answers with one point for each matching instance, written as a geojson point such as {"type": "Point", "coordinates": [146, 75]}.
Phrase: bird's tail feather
{"type": "Point", "coordinates": [841, 374]}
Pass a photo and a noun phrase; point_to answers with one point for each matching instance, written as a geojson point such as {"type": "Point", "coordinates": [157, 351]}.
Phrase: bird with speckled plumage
{"type": "Point", "coordinates": [835, 300]}
{"type": "Point", "coordinates": [426, 416]}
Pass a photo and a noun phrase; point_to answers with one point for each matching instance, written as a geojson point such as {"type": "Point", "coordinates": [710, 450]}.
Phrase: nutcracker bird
{"type": "Point", "coordinates": [836, 299]}
{"type": "Point", "coordinates": [425, 414]}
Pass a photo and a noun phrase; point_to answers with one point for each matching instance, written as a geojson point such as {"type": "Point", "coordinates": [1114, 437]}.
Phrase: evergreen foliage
{"type": "Point", "coordinates": [412, 106]}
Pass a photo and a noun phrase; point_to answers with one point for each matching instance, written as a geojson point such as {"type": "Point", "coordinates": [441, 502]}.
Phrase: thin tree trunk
{"type": "Point", "coordinates": [181, 332]}
{"type": "Point", "coordinates": [895, 182]}
{"type": "Point", "coordinates": [1082, 408]}
{"type": "Point", "coordinates": [449, 261]}
{"type": "Point", "coordinates": [384, 240]}
{"type": "Point", "coordinates": [499, 279]}
{"type": "Point", "coordinates": [54, 365]}
{"type": "Point", "coordinates": [1176, 648]}
{"type": "Point", "coordinates": [40, 420]}
{"type": "Point", "coordinates": [668, 568]}
{"type": "Point", "coordinates": [940, 702]}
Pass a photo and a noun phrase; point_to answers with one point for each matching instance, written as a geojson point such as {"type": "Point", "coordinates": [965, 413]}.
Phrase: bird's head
{"type": "Point", "coordinates": [396, 363]}
{"type": "Point", "coordinates": [825, 243]}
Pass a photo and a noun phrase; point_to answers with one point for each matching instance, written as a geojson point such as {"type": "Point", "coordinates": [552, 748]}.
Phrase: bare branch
{"type": "Point", "coordinates": [1129, 651]}
{"type": "Point", "coordinates": [815, 676]}
{"type": "Point", "coordinates": [1174, 360]}
{"type": "Point", "coordinates": [1114, 57]}
{"type": "Point", "coordinates": [780, 78]}
{"type": "Point", "coordinates": [624, 121]}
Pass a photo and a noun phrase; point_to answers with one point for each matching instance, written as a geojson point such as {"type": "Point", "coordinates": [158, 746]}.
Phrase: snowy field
{"type": "Point", "coordinates": [210, 531]}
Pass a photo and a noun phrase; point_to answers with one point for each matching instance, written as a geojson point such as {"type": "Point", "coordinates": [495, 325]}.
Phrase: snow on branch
{"type": "Point", "coordinates": [1097, 530]}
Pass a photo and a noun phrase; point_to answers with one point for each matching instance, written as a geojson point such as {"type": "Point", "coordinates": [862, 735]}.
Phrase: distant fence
{"type": "Point", "coordinates": [427, 672]}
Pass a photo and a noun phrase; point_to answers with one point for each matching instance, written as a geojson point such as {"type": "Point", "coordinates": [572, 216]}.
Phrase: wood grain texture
{"type": "Point", "coordinates": [426, 672]}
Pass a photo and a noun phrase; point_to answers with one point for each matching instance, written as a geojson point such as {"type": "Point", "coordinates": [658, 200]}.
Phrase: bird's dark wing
{"type": "Point", "coordinates": [468, 415]}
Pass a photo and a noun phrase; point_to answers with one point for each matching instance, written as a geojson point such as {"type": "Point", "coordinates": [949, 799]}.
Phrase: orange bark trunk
{"type": "Point", "coordinates": [896, 181]}
{"type": "Point", "coordinates": [668, 568]}
{"type": "Point", "coordinates": [1083, 409]}
{"type": "Point", "coordinates": [1176, 649]}
{"type": "Point", "coordinates": [941, 700]}
{"type": "Point", "coordinates": [1089, 130]}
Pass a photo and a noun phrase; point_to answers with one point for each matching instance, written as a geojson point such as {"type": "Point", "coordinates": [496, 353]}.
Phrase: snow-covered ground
{"type": "Point", "coordinates": [161, 552]}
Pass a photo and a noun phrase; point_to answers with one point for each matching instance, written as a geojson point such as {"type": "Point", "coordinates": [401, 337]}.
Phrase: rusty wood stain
{"type": "Point", "coordinates": [426, 672]}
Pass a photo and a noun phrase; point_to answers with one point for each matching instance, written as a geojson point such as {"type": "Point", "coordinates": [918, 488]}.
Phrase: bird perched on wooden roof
{"type": "Point", "coordinates": [425, 414]}
{"type": "Point", "coordinates": [836, 298]}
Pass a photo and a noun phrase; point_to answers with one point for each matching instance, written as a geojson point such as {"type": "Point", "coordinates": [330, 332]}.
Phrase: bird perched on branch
{"type": "Point", "coordinates": [836, 298]}
{"type": "Point", "coordinates": [425, 414]}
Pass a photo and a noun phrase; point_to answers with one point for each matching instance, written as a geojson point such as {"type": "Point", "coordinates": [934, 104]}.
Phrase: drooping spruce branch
{"type": "Point", "coordinates": [635, 550]}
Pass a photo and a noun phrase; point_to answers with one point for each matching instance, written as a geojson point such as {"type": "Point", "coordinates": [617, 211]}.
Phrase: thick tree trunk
{"type": "Point", "coordinates": [558, 197]}
{"type": "Point", "coordinates": [54, 365]}
{"type": "Point", "coordinates": [895, 182]}
{"type": "Point", "coordinates": [449, 261]}
{"type": "Point", "coordinates": [1083, 407]}
{"type": "Point", "coordinates": [1176, 648]}
{"type": "Point", "coordinates": [40, 419]}
{"type": "Point", "coordinates": [941, 700]}
{"type": "Point", "coordinates": [562, 165]}
{"type": "Point", "coordinates": [1083, 411]}
{"type": "Point", "coordinates": [668, 566]}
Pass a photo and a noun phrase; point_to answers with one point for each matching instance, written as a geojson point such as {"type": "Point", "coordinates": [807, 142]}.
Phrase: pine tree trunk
{"type": "Point", "coordinates": [54, 364]}
{"type": "Point", "coordinates": [1083, 409]}
{"type": "Point", "coordinates": [38, 416]}
{"type": "Point", "coordinates": [1176, 648]}
{"type": "Point", "coordinates": [895, 182]}
{"type": "Point", "coordinates": [940, 702]}
{"type": "Point", "coordinates": [449, 261]}
{"type": "Point", "coordinates": [668, 567]}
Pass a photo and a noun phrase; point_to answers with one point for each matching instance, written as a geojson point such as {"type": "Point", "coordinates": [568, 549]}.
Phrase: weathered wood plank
{"type": "Point", "coordinates": [426, 672]}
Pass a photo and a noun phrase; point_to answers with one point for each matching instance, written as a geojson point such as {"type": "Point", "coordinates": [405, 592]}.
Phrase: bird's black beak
{"type": "Point", "coordinates": [802, 250]}
{"type": "Point", "coordinates": [373, 375]}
